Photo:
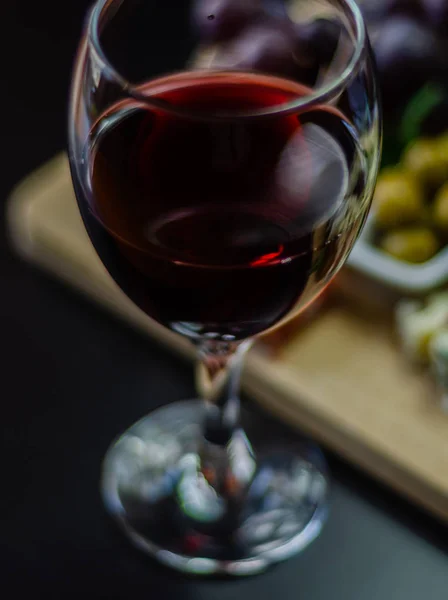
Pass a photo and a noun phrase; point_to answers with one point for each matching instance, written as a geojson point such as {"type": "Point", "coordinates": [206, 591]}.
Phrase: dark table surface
{"type": "Point", "coordinates": [72, 379]}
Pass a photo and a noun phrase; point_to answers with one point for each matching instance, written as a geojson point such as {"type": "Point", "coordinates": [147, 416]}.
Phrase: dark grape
{"type": "Point", "coordinates": [276, 8]}
{"type": "Point", "coordinates": [407, 54]}
{"type": "Point", "coordinates": [218, 20]}
{"type": "Point", "coordinates": [378, 10]}
{"type": "Point", "coordinates": [436, 12]}
{"type": "Point", "coordinates": [318, 40]}
{"type": "Point", "coordinates": [266, 47]}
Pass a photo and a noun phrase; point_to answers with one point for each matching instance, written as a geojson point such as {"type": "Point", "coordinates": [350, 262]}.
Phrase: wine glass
{"type": "Point", "coordinates": [224, 155]}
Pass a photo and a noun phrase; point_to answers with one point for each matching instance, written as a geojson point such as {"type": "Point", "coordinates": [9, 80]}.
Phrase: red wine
{"type": "Point", "coordinates": [219, 227]}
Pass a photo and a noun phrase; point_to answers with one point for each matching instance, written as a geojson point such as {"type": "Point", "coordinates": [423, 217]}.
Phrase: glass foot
{"type": "Point", "coordinates": [154, 486]}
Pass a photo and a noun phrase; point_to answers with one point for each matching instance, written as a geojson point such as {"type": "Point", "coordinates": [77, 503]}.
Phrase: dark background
{"type": "Point", "coordinates": [72, 379]}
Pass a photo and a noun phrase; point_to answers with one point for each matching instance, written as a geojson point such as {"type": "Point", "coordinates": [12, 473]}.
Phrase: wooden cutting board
{"type": "Point", "coordinates": [341, 378]}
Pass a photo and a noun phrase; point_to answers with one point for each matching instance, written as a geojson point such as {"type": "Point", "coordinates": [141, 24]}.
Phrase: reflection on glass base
{"type": "Point", "coordinates": [154, 485]}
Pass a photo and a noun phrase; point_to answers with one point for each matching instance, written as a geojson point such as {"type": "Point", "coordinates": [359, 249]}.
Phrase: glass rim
{"type": "Point", "coordinates": [304, 102]}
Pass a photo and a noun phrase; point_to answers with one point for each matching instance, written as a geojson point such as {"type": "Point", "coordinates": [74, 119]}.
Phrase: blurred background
{"type": "Point", "coordinates": [73, 377]}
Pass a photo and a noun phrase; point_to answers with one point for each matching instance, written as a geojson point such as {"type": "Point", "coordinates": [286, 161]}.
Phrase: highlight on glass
{"type": "Point", "coordinates": [224, 155]}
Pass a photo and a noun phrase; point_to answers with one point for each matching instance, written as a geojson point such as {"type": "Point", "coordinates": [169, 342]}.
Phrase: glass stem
{"type": "Point", "coordinates": [218, 378]}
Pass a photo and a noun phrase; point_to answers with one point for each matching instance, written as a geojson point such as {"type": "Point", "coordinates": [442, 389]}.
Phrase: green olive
{"type": "Point", "coordinates": [398, 199]}
{"type": "Point", "coordinates": [440, 208]}
{"type": "Point", "coordinates": [427, 160]}
{"type": "Point", "coordinates": [442, 144]}
{"type": "Point", "coordinates": [413, 245]}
